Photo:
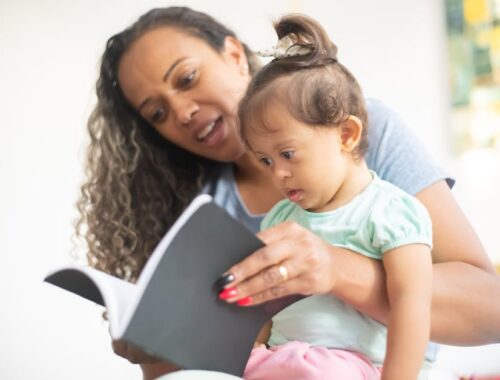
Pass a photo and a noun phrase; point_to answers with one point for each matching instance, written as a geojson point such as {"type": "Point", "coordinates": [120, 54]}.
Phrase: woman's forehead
{"type": "Point", "coordinates": [151, 56]}
{"type": "Point", "coordinates": [168, 42]}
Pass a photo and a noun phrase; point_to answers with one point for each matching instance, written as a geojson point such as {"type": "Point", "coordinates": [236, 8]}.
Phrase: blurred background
{"type": "Point", "coordinates": [436, 62]}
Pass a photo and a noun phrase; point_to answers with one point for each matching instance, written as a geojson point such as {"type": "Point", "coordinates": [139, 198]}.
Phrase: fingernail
{"type": "Point", "coordinates": [228, 293]}
{"type": "Point", "coordinates": [245, 301]}
{"type": "Point", "coordinates": [224, 280]}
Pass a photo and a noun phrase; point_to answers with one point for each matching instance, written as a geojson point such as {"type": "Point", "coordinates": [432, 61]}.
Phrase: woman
{"type": "Point", "coordinates": [164, 129]}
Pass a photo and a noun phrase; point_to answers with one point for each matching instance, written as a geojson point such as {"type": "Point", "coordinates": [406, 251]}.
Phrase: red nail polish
{"type": "Point", "coordinates": [228, 293]}
{"type": "Point", "coordinates": [245, 301]}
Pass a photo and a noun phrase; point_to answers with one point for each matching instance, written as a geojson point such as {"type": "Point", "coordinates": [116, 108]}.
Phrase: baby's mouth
{"type": "Point", "coordinates": [294, 195]}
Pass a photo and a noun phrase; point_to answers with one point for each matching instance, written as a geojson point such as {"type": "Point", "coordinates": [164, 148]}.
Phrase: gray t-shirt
{"type": "Point", "coordinates": [394, 153]}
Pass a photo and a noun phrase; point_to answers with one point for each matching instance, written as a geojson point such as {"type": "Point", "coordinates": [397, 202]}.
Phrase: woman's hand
{"type": "Point", "coordinates": [132, 354]}
{"type": "Point", "coordinates": [464, 282]}
{"type": "Point", "coordinates": [294, 261]}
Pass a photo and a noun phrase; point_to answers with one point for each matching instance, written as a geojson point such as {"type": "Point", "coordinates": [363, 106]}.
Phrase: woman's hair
{"type": "Point", "coordinates": [312, 85]}
{"type": "Point", "coordinates": [137, 182]}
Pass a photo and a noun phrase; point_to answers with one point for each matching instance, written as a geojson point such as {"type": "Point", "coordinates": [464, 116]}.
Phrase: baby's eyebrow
{"type": "Point", "coordinates": [280, 144]}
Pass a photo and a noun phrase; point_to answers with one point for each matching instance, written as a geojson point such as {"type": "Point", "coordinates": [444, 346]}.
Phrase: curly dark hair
{"type": "Point", "coordinates": [315, 88]}
{"type": "Point", "coordinates": [137, 182]}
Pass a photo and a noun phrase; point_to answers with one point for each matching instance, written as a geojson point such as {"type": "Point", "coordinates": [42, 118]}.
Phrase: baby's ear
{"type": "Point", "coordinates": [350, 133]}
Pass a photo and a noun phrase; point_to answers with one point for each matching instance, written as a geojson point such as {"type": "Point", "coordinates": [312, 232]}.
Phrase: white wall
{"type": "Point", "coordinates": [49, 51]}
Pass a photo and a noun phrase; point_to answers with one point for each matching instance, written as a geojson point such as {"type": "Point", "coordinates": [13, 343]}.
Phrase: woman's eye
{"type": "Point", "coordinates": [187, 80]}
{"type": "Point", "coordinates": [266, 161]}
{"type": "Point", "coordinates": [158, 115]}
{"type": "Point", "coordinates": [287, 154]}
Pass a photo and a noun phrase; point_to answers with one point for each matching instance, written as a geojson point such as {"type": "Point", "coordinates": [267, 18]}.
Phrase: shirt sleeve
{"type": "Point", "coordinates": [396, 154]}
{"type": "Point", "coordinates": [399, 221]}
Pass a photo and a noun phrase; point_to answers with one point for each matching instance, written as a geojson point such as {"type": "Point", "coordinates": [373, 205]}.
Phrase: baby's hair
{"type": "Point", "coordinates": [314, 87]}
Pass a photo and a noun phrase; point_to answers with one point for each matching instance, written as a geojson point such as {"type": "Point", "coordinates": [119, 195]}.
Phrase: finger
{"type": "Point", "coordinates": [278, 291]}
{"type": "Point", "coordinates": [277, 239]}
{"type": "Point", "coordinates": [268, 278]}
{"type": "Point", "coordinates": [281, 231]}
{"type": "Point", "coordinates": [259, 260]}
{"type": "Point", "coordinates": [131, 353]}
{"type": "Point", "coordinates": [137, 356]}
{"type": "Point", "coordinates": [119, 348]}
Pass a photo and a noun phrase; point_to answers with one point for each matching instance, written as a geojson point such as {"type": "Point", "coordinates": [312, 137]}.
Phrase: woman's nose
{"type": "Point", "coordinates": [184, 109]}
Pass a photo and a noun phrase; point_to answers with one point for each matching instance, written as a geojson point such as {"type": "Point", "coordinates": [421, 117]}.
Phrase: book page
{"type": "Point", "coordinates": [111, 292]}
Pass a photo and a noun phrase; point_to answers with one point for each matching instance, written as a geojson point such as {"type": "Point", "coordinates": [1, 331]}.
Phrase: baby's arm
{"type": "Point", "coordinates": [409, 285]}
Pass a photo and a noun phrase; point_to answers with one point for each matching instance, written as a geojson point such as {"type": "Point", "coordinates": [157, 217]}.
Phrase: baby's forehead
{"type": "Point", "coordinates": [259, 133]}
{"type": "Point", "coordinates": [270, 115]}
{"type": "Point", "coordinates": [266, 138]}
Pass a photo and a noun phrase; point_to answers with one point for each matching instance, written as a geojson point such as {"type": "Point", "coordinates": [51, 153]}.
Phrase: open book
{"type": "Point", "coordinates": [173, 310]}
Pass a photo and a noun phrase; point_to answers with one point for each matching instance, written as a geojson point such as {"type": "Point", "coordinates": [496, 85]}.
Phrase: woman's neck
{"type": "Point", "coordinates": [247, 167]}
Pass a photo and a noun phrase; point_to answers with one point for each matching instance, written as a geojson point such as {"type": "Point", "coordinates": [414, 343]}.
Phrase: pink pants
{"type": "Point", "coordinates": [300, 361]}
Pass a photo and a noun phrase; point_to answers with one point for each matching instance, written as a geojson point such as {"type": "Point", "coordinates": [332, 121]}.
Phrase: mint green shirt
{"type": "Point", "coordinates": [380, 218]}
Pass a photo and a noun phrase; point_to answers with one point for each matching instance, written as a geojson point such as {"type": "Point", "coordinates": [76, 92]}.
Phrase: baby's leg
{"type": "Point", "coordinates": [300, 361]}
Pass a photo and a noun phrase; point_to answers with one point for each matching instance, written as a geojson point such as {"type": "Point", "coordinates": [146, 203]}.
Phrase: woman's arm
{"type": "Point", "coordinates": [409, 285]}
{"type": "Point", "coordinates": [464, 281]}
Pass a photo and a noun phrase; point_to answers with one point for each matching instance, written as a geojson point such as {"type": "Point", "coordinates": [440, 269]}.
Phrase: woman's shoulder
{"type": "Point", "coordinates": [396, 154]}
{"type": "Point", "coordinates": [381, 117]}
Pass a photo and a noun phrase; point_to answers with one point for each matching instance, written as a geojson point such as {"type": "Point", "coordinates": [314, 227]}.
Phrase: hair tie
{"type": "Point", "coordinates": [286, 47]}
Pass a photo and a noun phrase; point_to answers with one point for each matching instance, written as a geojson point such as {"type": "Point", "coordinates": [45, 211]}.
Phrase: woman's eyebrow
{"type": "Point", "coordinates": [143, 104]}
{"type": "Point", "coordinates": [164, 79]}
{"type": "Point", "coordinates": [169, 71]}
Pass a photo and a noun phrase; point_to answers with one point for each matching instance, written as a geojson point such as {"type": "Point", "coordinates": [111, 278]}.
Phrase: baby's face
{"type": "Point", "coordinates": [306, 162]}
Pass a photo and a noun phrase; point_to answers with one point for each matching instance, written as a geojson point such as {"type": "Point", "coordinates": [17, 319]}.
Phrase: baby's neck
{"type": "Point", "coordinates": [357, 179]}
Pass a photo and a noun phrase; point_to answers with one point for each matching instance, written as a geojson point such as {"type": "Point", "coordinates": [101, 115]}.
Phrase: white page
{"type": "Point", "coordinates": [116, 293]}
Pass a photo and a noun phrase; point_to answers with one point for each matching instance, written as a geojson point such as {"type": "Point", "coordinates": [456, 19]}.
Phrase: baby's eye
{"type": "Point", "coordinates": [158, 115]}
{"type": "Point", "coordinates": [187, 80]}
{"type": "Point", "coordinates": [266, 161]}
{"type": "Point", "coordinates": [287, 154]}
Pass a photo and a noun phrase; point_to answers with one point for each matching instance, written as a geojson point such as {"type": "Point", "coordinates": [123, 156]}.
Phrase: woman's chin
{"type": "Point", "coordinates": [231, 155]}
{"type": "Point", "coordinates": [225, 152]}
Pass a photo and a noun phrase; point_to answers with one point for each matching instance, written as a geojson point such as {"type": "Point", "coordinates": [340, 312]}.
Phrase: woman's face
{"type": "Point", "coordinates": [186, 90]}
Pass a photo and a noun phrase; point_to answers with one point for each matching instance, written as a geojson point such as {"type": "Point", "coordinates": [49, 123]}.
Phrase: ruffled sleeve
{"type": "Point", "coordinates": [398, 221]}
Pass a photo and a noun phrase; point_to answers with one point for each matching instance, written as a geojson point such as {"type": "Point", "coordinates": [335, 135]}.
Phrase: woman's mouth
{"type": "Point", "coordinates": [212, 133]}
{"type": "Point", "coordinates": [295, 195]}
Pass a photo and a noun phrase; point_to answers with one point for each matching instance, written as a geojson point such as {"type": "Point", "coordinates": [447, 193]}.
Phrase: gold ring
{"type": "Point", "coordinates": [283, 271]}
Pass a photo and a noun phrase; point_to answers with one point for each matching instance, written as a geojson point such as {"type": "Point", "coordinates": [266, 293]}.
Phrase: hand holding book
{"type": "Point", "coordinates": [173, 311]}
